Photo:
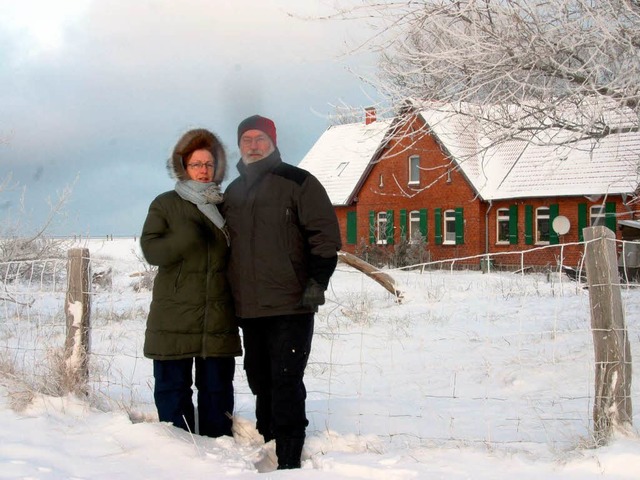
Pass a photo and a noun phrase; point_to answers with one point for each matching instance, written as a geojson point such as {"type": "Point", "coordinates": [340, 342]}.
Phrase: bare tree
{"type": "Point", "coordinates": [22, 253]}
{"type": "Point", "coordinates": [564, 63]}
{"type": "Point", "coordinates": [18, 245]}
{"type": "Point", "coordinates": [344, 114]}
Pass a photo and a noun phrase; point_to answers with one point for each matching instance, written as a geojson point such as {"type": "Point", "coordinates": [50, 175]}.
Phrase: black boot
{"type": "Point", "coordinates": [289, 451]}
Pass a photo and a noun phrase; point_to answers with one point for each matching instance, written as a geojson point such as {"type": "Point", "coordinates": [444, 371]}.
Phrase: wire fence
{"type": "Point", "coordinates": [492, 358]}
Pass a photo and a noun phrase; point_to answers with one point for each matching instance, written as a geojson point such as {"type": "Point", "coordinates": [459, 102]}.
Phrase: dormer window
{"type": "Point", "coordinates": [341, 168]}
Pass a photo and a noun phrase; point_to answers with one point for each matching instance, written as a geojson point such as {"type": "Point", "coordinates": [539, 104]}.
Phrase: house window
{"type": "Point", "coordinates": [449, 227]}
{"type": "Point", "coordinates": [597, 216]}
{"type": "Point", "coordinates": [381, 183]}
{"type": "Point", "coordinates": [542, 225]}
{"type": "Point", "coordinates": [381, 237]}
{"type": "Point", "coordinates": [414, 169]}
{"type": "Point", "coordinates": [341, 167]}
{"type": "Point", "coordinates": [415, 235]}
{"type": "Point", "coordinates": [503, 225]}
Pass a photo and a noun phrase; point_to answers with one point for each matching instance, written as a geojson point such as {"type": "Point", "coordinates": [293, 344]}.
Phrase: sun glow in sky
{"type": "Point", "coordinates": [41, 22]}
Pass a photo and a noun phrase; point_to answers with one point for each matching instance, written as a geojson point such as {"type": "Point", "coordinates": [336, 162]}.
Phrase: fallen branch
{"type": "Point", "coordinates": [374, 273]}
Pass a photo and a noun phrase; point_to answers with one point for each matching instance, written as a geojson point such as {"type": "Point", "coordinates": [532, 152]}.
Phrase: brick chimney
{"type": "Point", "coordinates": [369, 115]}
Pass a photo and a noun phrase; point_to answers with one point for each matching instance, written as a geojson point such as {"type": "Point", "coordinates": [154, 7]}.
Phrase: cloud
{"type": "Point", "coordinates": [125, 79]}
{"type": "Point", "coordinates": [39, 24]}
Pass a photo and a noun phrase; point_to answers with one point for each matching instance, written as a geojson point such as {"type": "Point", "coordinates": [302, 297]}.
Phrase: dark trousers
{"type": "Point", "coordinates": [214, 382]}
{"type": "Point", "coordinates": [276, 351]}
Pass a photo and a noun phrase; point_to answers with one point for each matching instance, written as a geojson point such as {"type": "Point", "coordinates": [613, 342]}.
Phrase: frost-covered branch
{"type": "Point", "coordinates": [15, 244]}
{"type": "Point", "coordinates": [548, 58]}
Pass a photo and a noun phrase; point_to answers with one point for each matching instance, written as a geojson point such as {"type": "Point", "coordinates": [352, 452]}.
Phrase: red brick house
{"type": "Point", "coordinates": [437, 177]}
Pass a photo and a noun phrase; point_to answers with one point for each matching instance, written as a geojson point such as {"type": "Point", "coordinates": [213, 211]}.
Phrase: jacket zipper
{"type": "Point", "coordinates": [206, 302]}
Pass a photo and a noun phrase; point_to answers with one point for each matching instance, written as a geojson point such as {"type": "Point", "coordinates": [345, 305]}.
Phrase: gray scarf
{"type": "Point", "coordinates": [205, 196]}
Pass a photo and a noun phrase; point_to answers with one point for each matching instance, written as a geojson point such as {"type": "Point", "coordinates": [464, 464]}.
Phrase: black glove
{"type": "Point", "coordinates": [313, 295]}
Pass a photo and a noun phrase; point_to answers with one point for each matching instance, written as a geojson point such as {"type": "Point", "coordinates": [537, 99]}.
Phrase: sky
{"type": "Point", "coordinates": [95, 94]}
{"type": "Point", "coordinates": [472, 376]}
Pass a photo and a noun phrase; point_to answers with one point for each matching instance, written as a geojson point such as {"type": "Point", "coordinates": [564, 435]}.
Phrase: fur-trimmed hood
{"type": "Point", "coordinates": [194, 140]}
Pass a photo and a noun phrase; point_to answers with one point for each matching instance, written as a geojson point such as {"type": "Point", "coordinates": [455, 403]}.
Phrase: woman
{"type": "Point", "coordinates": [191, 315]}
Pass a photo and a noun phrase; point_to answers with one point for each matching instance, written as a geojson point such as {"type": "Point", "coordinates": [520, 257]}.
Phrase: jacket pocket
{"type": "Point", "coordinates": [293, 359]}
{"type": "Point", "coordinates": [292, 235]}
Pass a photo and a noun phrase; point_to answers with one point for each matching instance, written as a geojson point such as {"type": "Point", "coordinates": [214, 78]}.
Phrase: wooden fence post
{"type": "Point", "coordinates": [78, 313]}
{"type": "Point", "coordinates": [612, 405]}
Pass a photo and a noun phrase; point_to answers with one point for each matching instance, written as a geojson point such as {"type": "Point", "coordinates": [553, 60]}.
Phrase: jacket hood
{"type": "Point", "coordinates": [195, 140]}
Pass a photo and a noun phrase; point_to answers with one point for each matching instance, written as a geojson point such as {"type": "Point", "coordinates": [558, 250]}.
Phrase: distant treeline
{"type": "Point", "coordinates": [94, 237]}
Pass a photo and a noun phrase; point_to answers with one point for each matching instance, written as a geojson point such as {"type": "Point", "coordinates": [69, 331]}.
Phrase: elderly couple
{"type": "Point", "coordinates": [260, 260]}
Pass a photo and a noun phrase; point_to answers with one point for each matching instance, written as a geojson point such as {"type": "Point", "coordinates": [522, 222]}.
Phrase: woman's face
{"type": "Point", "coordinates": [200, 166]}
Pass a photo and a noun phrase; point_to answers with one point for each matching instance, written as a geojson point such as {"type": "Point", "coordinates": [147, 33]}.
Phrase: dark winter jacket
{"type": "Point", "coordinates": [191, 313]}
{"type": "Point", "coordinates": [284, 232]}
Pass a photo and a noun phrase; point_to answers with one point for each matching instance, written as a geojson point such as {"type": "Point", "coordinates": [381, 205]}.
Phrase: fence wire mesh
{"type": "Point", "coordinates": [500, 357]}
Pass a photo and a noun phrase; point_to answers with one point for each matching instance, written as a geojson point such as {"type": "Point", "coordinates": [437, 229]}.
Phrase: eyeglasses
{"type": "Point", "coordinates": [199, 165]}
{"type": "Point", "coordinates": [247, 141]}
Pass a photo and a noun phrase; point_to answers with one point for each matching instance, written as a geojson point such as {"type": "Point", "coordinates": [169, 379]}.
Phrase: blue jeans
{"type": "Point", "coordinates": [214, 382]}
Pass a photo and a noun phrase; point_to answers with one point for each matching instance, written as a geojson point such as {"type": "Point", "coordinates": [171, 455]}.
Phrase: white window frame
{"type": "Point", "coordinates": [414, 170]}
{"type": "Point", "coordinates": [381, 228]}
{"type": "Point", "coordinates": [597, 215]}
{"type": "Point", "coordinates": [415, 234]}
{"type": "Point", "coordinates": [542, 214]}
{"type": "Point", "coordinates": [502, 217]}
{"type": "Point", "coordinates": [449, 219]}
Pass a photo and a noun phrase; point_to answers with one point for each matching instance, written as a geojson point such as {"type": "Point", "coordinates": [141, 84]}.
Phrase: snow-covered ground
{"type": "Point", "coordinates": [472, 376]}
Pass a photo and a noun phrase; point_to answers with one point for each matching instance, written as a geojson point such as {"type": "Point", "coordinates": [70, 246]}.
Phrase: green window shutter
{"type": "Point", "coordinates": [513, 224]}
{"type": "Point", "coordinates": [352, 230]}
{"type": "Point", "coordinates": [423, 223]}
{"type": "Point", "coordinates": [610, 216]}
{"type": "Point", "coordinates": [528, 224]}
{"type": "Point", "coordinates": [459, 226]}
{"type": "Point", "coordinates": [372, 227]}
{"type": "Point", "coordinates": [438, 225]}
{"type": "Point", "coordinates": [403, 224]}
{"type": "Point", "coordinates": [553, 213]}
{"type": "Point", "coordinates": [582, 220]}
{"type": "Point", "coordinates": [389, 227]}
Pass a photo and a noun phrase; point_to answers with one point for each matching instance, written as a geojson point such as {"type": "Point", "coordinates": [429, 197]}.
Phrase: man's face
{"type": "Point", "coordinates": [255, 145]}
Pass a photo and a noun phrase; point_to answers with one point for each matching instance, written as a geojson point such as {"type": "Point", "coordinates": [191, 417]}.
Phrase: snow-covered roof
{"type": "Point", "coordinates": [340, 156]}
{"type": "Point", "coordinates": [533, 167]}
{"type": "Point", "coordinates": [516, 167]}
{"type": "Point", "coordinates": [630, 223]}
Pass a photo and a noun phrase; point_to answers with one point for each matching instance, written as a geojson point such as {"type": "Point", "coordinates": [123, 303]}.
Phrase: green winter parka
{"type": "Point", "coordinates": [191, 312]}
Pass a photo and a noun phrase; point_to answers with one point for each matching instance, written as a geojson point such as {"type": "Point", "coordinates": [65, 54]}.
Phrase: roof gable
{"type": "Point", "coordinates": [341, 155]}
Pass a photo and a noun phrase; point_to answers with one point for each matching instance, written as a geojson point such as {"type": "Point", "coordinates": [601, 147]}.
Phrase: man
{"type": "Point", "coordinates": [284, 243]}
